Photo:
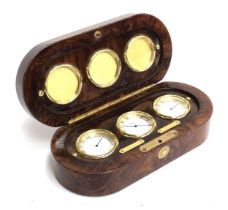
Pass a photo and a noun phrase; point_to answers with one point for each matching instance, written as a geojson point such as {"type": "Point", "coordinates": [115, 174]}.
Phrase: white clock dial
{"type": "Point", "coordinates": [171, 106]}
{"type": "Point", "coordinates": [96, 143]}
{"type": "Point", "coordinates": [135, 124]}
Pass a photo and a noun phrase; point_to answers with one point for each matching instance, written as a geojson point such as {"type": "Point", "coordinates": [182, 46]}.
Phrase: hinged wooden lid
{"type": "Point", "coordinates": [73, 74]}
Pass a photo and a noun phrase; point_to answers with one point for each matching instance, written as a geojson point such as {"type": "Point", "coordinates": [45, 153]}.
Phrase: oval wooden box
{"type": "Point", "coordinates": [104, 176]}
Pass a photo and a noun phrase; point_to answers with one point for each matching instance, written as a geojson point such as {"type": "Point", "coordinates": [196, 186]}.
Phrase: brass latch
{"type": "Point", "coordinates": [159, 140]}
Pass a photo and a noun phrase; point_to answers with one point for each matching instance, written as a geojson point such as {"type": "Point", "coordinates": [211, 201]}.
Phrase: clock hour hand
{"type": "Point", "coordinates": [173, 106]}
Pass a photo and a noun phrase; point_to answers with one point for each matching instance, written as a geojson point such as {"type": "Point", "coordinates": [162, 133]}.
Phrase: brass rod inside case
{"type": "Point", "coordinates": [109, 104]}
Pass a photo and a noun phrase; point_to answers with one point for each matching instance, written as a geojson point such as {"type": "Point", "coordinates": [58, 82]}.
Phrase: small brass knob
{"type": "Point", "coordinates": [164, 151]}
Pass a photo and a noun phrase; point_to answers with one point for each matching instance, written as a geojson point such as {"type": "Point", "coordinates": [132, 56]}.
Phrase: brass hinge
{"type": "Point", "coordinates": [109, 104]}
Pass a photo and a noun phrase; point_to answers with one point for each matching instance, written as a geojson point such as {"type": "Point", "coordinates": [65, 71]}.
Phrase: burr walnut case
{"type": "Point", "coordinates": [118, 122]}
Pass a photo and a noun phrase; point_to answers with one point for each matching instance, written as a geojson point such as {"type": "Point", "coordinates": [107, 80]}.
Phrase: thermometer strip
{"type": "Point", "coordinates": [131, 146]}
{"type": "Point", "coordinates": [169, 126]}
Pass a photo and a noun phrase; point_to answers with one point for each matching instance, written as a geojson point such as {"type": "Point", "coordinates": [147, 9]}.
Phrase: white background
{"type": "Point", "coordinates": [197, 180]}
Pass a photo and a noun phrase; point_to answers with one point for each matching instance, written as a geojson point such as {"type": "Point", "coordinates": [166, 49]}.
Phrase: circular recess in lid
{"type": "Point", "coordinates": [63, 84]}
{"type": "Point", "coordinates": [140, 53]}
{"type": "Point", "coordinates": [104, 68]}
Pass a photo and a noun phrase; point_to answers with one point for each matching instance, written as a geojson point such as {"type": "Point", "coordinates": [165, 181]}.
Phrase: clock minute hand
{"type": "Point", "coordinates": [135, 125]}
{"type": "Point", "coordinates": [98, 142]}
{"type": "Point", "coordinates": [144, 125]}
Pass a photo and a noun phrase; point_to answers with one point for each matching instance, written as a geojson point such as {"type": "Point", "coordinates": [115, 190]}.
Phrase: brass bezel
{"type": "Point", "coordinates": [77, 74]}
{"type": "Point", "coordinates": [114, 56]}
{"type": "Point", "coordinates": [150, 41]}
{"type": "Point", "coordinates": [96, 131]}
{"type": "Point", "coordinates": [171, 96]}
{"type": "Point", "coordinates": [136, 113]}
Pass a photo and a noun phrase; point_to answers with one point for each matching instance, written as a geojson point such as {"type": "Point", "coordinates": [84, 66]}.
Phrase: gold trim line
{"type": "Point", "coordinates": [169, 126]}
{"type": "Point", "coordinates": [131, 146]}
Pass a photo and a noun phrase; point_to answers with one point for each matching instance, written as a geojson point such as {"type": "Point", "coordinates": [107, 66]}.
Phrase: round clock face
{"type": "Point", "coordinates": [96, 143]}
{"type": "Point", "coordinates": [171, 106]}
{"type": "Point", "coordinates": [135, 124]}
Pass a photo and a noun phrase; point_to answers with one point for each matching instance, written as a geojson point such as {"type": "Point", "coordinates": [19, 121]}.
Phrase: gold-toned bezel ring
{"type": "Point", "coordinates": [136, 113]}
{"type": "Point", "coordinates": [118, 63]}
{"type": "Point", "coordinates": [172, 96]}
{"type": "Point", "coordinates": [77, 74]}
{"type": "Point", "coordinates": [153, 50]}
{"type": "Point", "coordinates": [80, 139]}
